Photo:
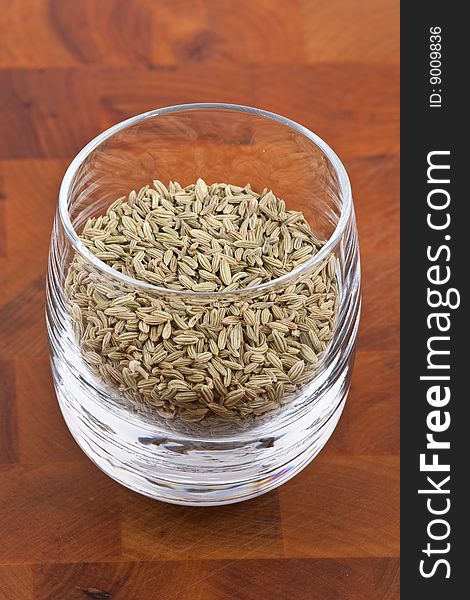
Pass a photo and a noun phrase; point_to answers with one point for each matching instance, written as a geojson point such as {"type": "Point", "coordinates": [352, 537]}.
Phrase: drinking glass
{"type": "Point", "coordinates": [163, 453]}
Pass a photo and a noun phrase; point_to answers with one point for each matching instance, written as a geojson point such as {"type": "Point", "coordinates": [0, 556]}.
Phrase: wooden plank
{"type": "Point", "coordinates": [30, 207]}
{"type": "Point", "coordinates": [372, 406]}
{"type": "Point", "coordinates": [249, 529]}
{"type": "Point", "coordinates": [302, 579]}
{"type": "Point", "coordinates": [16, 582]}
{"type": "Point", "coordinates": [8, 422]}
{"type": "Point", "coordinates": [145, 33]}
{"type": "Point", "coordinates": [58, 513]}
{"type": "Point", "coordinates": [43, 437]}
{"type": "Point", "coordinates": [327, 99]}
{"type": "Point", "coordinates": [22, 301]}
{"type": "Point", "coordinates": [342, 506]}
{"type": "Point", "coordinates": [62, 109]}
{"type": "Point", "coordinates": [365, 30]}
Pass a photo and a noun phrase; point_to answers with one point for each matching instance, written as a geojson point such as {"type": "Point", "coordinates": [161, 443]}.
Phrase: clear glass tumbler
{"type": "Point", "coordinates": [142, 444]}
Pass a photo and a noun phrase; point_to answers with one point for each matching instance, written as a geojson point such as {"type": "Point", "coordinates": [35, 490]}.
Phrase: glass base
{"type": "Point", "coordinates": [197, 472]}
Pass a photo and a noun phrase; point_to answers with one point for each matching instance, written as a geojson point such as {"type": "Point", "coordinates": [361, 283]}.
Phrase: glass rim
{"type": "Point", "coordinates": [330, 243]}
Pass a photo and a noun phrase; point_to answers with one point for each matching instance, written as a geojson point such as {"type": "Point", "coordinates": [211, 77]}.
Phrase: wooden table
{"type": "Point", "coordinates": [68, 70]}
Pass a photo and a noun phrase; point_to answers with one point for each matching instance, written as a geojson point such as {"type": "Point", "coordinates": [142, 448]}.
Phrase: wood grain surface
{"type": "Point", "coordinates": [68, 70]}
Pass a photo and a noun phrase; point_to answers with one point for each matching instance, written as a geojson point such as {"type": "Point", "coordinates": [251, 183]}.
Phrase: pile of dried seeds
{"type": "Point", "coordinates": [190, 356]}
